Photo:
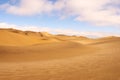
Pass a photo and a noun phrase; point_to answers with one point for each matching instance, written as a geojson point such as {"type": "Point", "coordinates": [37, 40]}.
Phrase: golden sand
{"type": "Point", "coordinates": [26, 55]}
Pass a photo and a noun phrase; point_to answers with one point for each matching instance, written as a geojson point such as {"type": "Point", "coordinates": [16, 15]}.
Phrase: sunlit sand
{"type": "Point", "coordinates": [26, 55]}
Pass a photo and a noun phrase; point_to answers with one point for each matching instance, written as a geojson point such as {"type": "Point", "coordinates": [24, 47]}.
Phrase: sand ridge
{"type": "Point", "coordinates": [12, 37]}
{"type": "Point", "coordinates": [26, 55]}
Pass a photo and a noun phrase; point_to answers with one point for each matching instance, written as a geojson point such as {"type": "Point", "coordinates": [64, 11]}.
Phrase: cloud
{"type": "Point", "coordinates": [97, 12]}
{"type": "Point", "coordinates": [58, 31]}
{"type": "Point", "coordinates": [24, 28]}
{"type": "Point", "coordinates": [28, 7]}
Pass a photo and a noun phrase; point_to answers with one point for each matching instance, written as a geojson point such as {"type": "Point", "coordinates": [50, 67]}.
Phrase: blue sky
{"type": "Point", "coordinates": [61, 18]}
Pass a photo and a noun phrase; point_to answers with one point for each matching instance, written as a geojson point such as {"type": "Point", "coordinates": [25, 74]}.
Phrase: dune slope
{"type": "Point", "coordinates": [43, 51]}
{"type": "Point", "coordinates": [12, 37]}
{"type": "Point", "coordinates": [68, 59]}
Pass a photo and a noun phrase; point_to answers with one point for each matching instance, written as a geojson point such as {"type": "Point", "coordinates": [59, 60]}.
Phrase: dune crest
{"type": "Point", "coordinates": [13, 37]}
{"type": "Point", "coordinates": [27, 55]}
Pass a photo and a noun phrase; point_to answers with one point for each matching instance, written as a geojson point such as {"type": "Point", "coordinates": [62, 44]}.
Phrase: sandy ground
{"type": "Point", "coordinates": [67, 60]}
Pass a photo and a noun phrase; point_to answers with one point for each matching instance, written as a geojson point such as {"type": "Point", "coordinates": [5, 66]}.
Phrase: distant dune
{"type": "Point", "coordinates": [12, 37]}
{"type": "Point", "coordinates": [17, 37]}
{"type": "Point", "coordinates": [27, 55]}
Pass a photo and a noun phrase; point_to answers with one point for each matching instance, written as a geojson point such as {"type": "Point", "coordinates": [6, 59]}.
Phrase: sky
{"type": "Point", "coordinates": [91, 18]}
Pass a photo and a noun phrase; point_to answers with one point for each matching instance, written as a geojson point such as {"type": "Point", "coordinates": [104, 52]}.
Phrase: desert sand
{"type": "Point", "coordinates": [27, 55]}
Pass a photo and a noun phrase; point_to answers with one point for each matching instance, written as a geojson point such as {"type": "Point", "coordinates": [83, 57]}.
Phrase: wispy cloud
{"type": "Point", "coordinates": [29, 7]}
{"type": "Point", "coordinates": [97, 12]}
{"type": "Point", "coordinates": [58, 31]}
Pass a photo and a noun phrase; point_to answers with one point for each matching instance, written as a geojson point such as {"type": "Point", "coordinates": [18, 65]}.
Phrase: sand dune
{"type": "Point", "coordinates": [43, 52]}
{"type": "Point", "coordinates": [12, 37]}
{"type": "Point", "coordinates": [26, 55]}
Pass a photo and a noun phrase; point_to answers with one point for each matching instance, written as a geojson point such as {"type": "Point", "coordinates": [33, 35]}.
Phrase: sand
{"type": "Point", "coordinates": [12, 37]}
{"type": "Point", "coordinates": [59, 58]}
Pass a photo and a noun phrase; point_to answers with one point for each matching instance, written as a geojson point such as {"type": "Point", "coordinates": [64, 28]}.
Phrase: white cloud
{"type": "Point", "coordinates": [58, 31]}
{"type": "Point", "coordinates": [24, 28]}
{"type": "Point", "coordinates": [97, 12]}
{"type": "Point", "coordinates": [5, 25]}
{"type": "Point", "coordinates": [29, 7]}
